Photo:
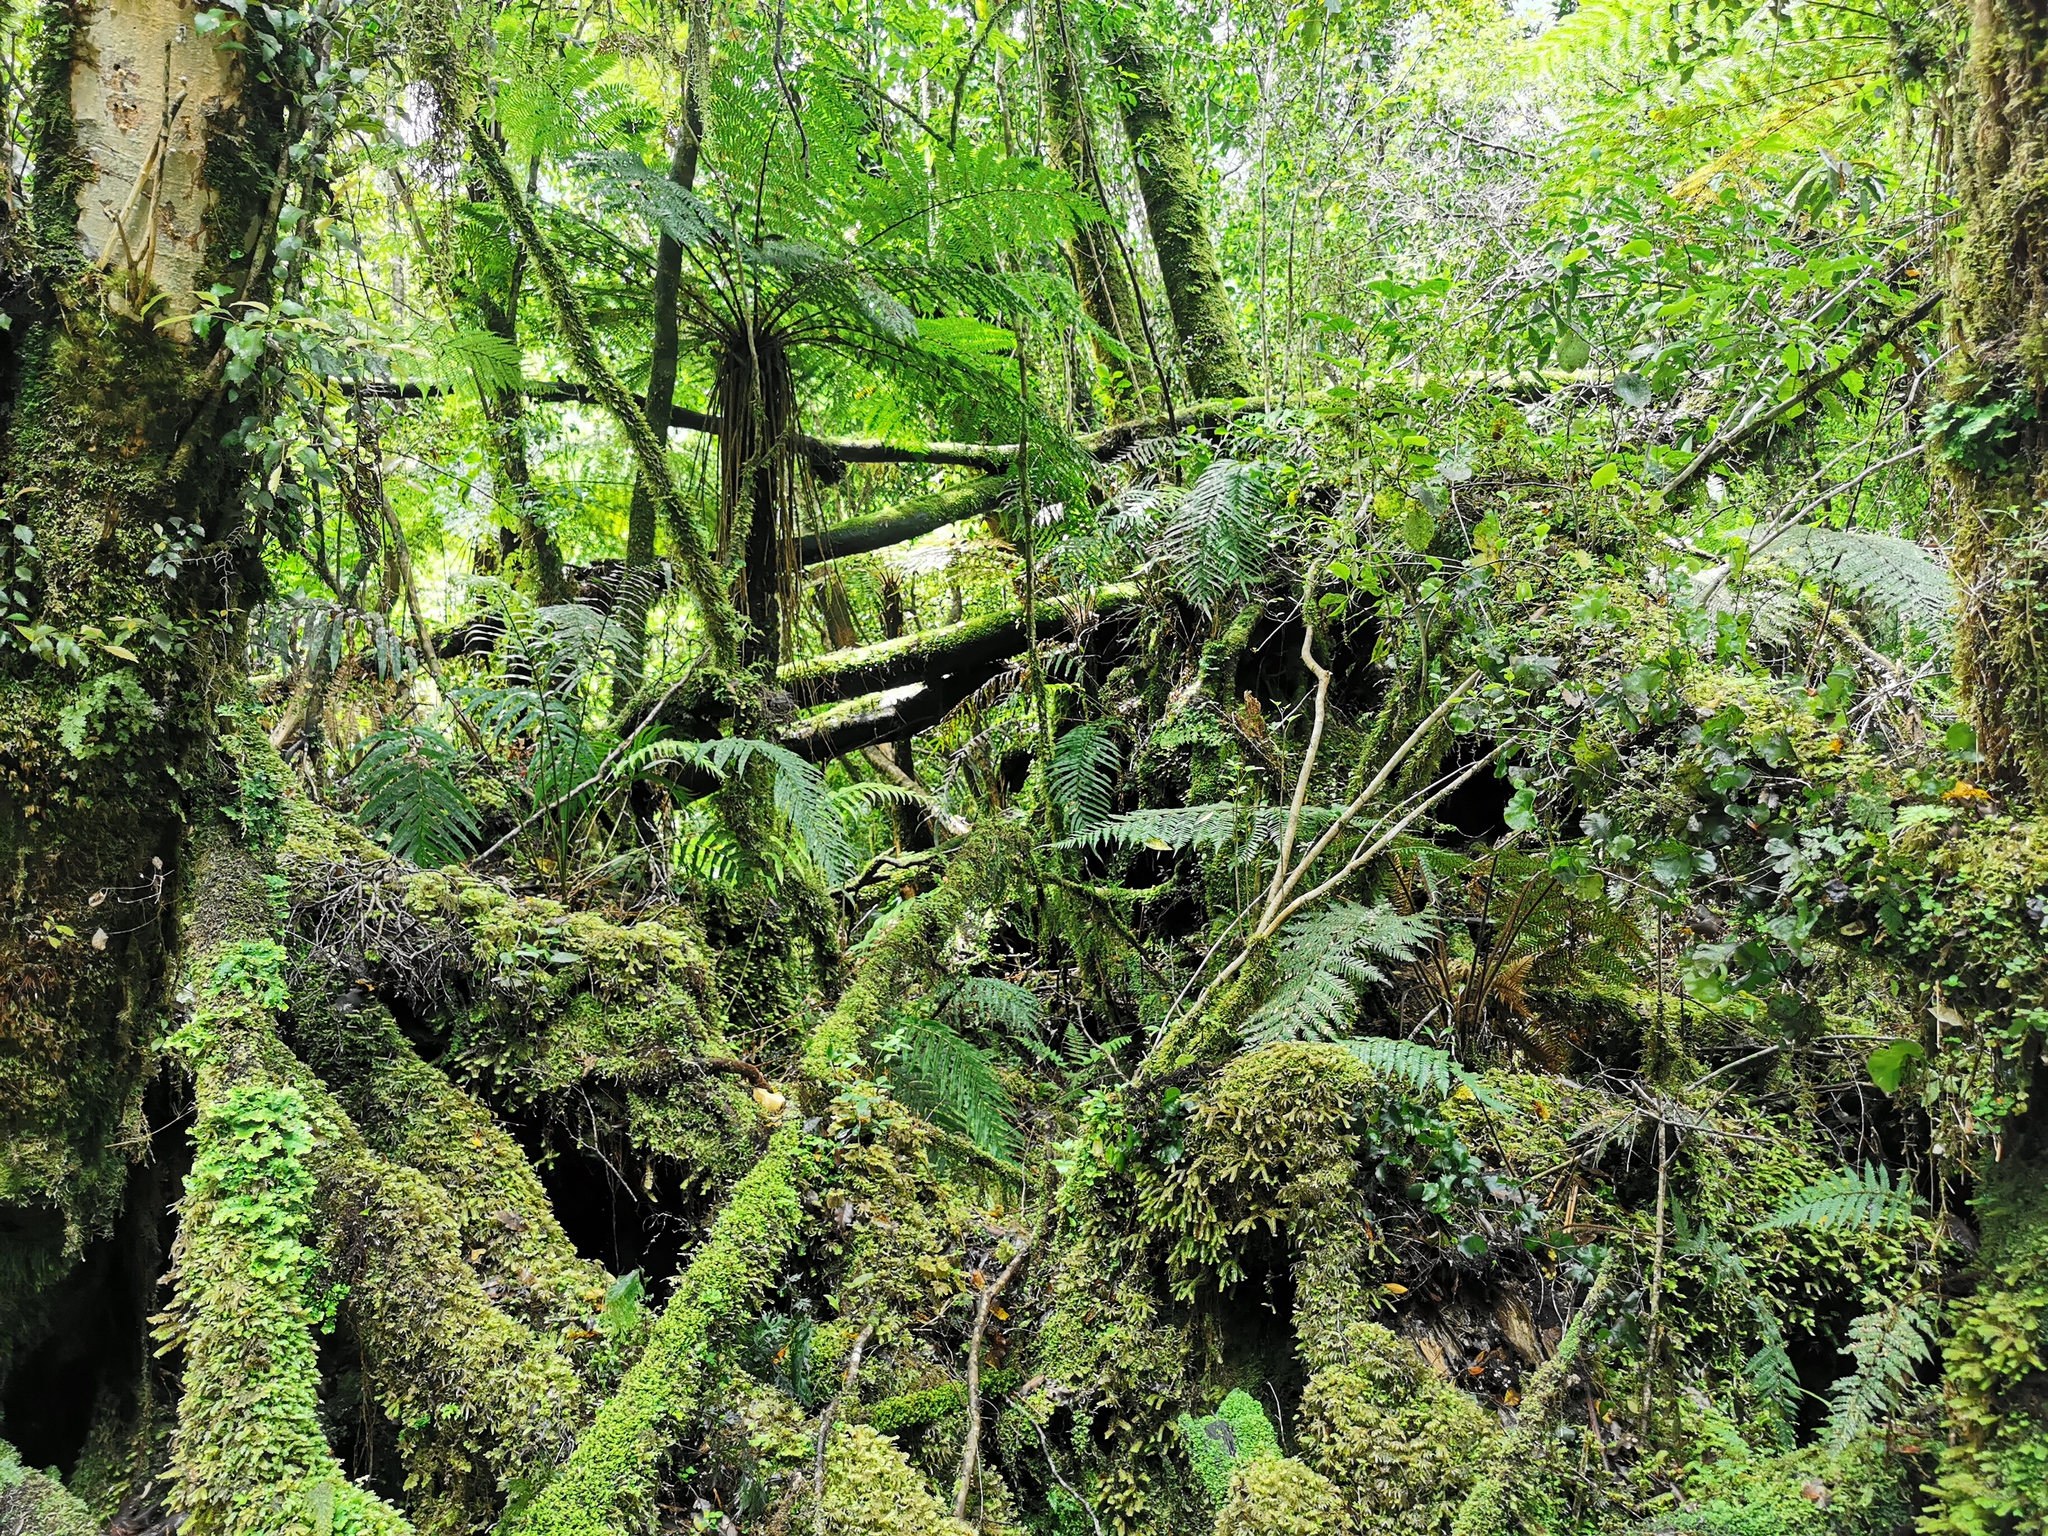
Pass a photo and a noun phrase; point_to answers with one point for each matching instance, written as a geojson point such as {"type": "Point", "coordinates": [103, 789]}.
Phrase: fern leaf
{"type": "Point", "coordinates": [1201, 827]}
{"type": "Point", "coordinates": [1323, 961]}
{"type": "Point", "coordinates": [953, 1082]}
{"type": "Point", "coordinates": [1006, 1005]}
{"type": "Point", "coordinates": [1889, 1347]}
{"type": "Point", "coordinates": [411, 799]}
{"type": "Point", "coordinates": [1864, 1199]}
{"type": "Point", "coordinates": [1083, 773]}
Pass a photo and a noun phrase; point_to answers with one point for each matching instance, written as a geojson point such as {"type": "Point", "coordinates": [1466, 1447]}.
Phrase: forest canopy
{"type": "Point", "coordinates": [1045, 768]}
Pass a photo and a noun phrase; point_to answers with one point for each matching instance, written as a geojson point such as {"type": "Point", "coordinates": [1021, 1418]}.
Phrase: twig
{"type": "Point", "coordinates": [981, 1311]}
{"type": "Point", "coordinates": [1755, 421]}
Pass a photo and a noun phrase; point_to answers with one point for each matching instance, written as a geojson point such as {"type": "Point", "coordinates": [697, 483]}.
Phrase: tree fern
{"type": "Point", "coordinates": [1889, 1347]}
{"type": "Point", "coordinates": [411, 799]}
{"type": "Point", "coordinates": [1323, 959]}
{"type": "Point", "coordinates": [1865, 1199]}
{"type": "Point", "coordinates": [1886, 572]}
{"type": "Point", "coordinates": [1083, 773]}
{"type": "Point", "coordinates": [953, 1082]}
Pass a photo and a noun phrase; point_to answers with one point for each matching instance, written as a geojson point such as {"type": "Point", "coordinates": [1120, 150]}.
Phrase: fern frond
{"type": "Point", "coordinates": [1856, 1199]}
{"type": "Point", "coordinates": [1202, 827]}
{"type": "Point", "coordinates": [1889, 1347]}
{"type": "Point", "coordinates": [411, 799]}
{"type": "Point", "coordinates": [1887, 572]}
{"type": "Point", "coordinates": [1322, 961]}
{"type": "Point", "coordinates": [1083, 773]}
{"type": "Point", "coordinates": [1011, 1008]}
{"type": "Point", "coordinates": [953, 1082]}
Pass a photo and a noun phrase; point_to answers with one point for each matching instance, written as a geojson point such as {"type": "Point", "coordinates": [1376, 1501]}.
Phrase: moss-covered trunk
{"type": "Point", "coordinates": [1998, 311]}
{"type": "Point", "coordinates": [1098, 264]}
{"type": "Point", "coordinates": [128, 562]}
{"type": "Point", "coordinates": [1992, 1476]}
{"type": "Point", "coordinates": [1171, 184]}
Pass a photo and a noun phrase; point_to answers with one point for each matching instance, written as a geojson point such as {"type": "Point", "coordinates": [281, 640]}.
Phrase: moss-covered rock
{"type": "Point", "coordinates": [871, 1489]}
{"type": "Point", "coordinates": [1221, 1442]}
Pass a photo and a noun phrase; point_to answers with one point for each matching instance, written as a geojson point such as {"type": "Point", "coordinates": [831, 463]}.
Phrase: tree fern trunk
{"type": "Point", "coordinates": [1171, 184]}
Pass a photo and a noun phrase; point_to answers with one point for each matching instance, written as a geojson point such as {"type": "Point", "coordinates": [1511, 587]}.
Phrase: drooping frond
{"type": "Point", "coordinates": [1889, 1346]}
{"type": "Point", "coordinates": [1855, 1198]}
{"type": "Point", "coordinates": [1421, 1067]}
{"type": "Point", "coordinates": [1083, 772]}
{"type": "Point", "coordinates": [953, 1082]}
{"type": "Point", "coordinates": [411, 799]}
{"type": "Point", "coordinates": [1202, 827]}
{"type": "Point", "coordinates": [1886, 572]}
{"type": "Point", "coordinates": [1004, 1004]}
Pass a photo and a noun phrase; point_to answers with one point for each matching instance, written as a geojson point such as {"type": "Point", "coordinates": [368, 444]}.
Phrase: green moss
{"type": "Point", "coordinates": [609, 1482]}
{"type": "Point", "coordinates": [1282, 1497]}
{"type": "Point", "coordinates": [35, 1503]}
{"type": "Point", "coordinates": [1237, 1432]}
{"type": "Point", "coordinates": [872, 1490]}
{"type": "Point", "coordinates": [1400, 1443]}
{"type": "Point", "coordinates": [913, 1410]}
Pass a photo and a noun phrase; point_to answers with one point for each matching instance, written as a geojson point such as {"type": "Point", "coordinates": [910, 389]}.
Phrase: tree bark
{"type": "Point", "coordinates": [130, 549]}
{"type": "Point", "coordinates": [1098, 265]}
{"type": "Point", "coordinates": [1998, 312]}
{"type": "Point", "coordinates": [1171, 185]}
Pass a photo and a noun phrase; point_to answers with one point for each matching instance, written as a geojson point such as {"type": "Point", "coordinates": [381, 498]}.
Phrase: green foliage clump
{"type": "Point", "coordinates": [35, 1503]}
{"type": "Point", "coordinates": [1401, 1444]}
{"type": "Point", "coordinates": [1237, 1432]}
{"type": "Point", "coordinates": [871, 1489]}
{"type": "Point", "coordinates": [1282, 1497]}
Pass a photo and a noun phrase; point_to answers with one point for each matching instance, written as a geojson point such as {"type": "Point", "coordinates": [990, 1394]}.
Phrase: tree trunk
{"type": "Point", "coordinates": [1998, 309]}
{"type": "Point", "coordinates": [644, 514]}
{"type": "Point", "coordinates": [1990, 1476]}
{"type": "Point", "coordinates": [128, 548]}
{"type": "Point", "coordinates": [757, 404]}
{"type": "Point", "coordinates": [1098, 264]}
{"type": "Point", "coordinates": [1171, 185]}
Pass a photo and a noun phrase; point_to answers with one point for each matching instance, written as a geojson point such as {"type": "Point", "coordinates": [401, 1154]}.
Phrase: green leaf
{"type": "Point", "coordinates": [1418, 528]}
{"type": "Point", "coordinates": [1888, 1066]}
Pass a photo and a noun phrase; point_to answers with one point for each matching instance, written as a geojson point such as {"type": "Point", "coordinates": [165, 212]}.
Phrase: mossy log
{"type": "Point", "coordinates": [906, 520]}
{"type": "Point", "coordinates": [608, 1485]}
{"type": "Point", "coordinates": [949, 650]}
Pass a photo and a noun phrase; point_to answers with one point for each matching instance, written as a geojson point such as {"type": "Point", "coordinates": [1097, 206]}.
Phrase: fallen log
{"type": "Point", "coordinates": [950, 650]}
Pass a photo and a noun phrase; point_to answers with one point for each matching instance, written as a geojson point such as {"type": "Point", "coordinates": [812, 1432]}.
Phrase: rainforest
{"type": "Point", "coordinates": [1023, 767]}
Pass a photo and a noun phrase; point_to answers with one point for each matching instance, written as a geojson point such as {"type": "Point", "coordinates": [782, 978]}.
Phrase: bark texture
{"type": "Point", "coordinates": [1999, 314]}
{"type": "Point", "coordinates": [1171, 184]}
